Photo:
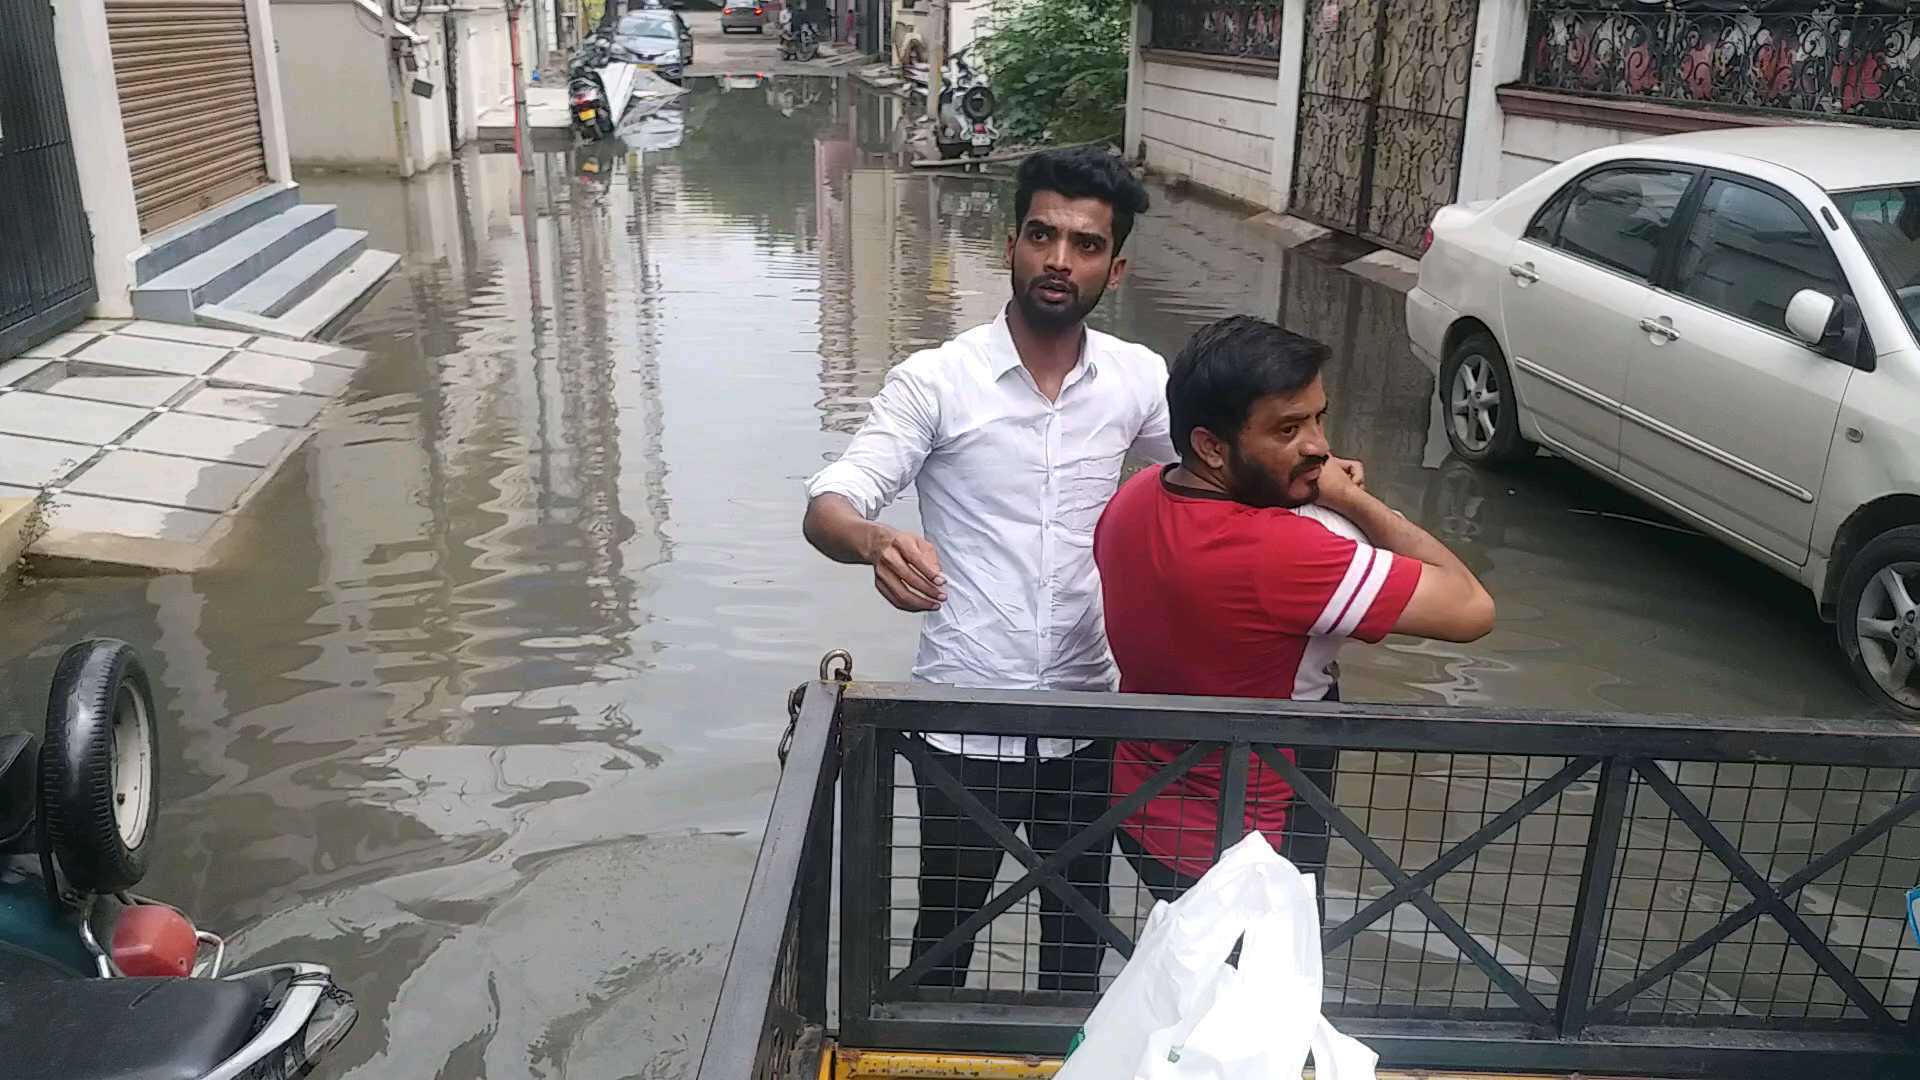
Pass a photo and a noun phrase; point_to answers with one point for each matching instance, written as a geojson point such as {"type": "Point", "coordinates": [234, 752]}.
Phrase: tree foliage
{"type": "Point", "coordinates": [1059, 69]}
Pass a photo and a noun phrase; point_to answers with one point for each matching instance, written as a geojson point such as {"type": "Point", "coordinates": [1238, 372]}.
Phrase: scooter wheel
{"type": "Point", "coordinates": [97, 791]}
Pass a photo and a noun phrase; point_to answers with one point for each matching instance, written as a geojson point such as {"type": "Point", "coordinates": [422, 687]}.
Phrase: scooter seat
{"type": "Point", "coordinates": [126, 1029]}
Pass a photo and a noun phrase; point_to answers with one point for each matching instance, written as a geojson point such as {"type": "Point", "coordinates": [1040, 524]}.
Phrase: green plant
{"type": "Point", "coordinates": [1059, 69]}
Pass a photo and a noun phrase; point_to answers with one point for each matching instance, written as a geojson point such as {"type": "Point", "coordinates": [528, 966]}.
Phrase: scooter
{"type": "Point", "coordinates": [96, 981]}
{"type": "Point", "coordinates": [800, 43]}
{"type": "Point", "coordinates": [966, 110]}
{"type": "Point", "coordinates": [593, 118]}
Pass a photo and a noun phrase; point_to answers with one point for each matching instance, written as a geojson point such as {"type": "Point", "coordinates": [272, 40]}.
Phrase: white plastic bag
{"type": "Point", "coordinates": [1179, 1012]}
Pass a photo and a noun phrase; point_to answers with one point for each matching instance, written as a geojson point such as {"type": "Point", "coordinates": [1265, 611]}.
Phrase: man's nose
{"type": "Point", "coordinates": [1058, 256]}
{"type": "Point", "coordinates": [1315, 444]}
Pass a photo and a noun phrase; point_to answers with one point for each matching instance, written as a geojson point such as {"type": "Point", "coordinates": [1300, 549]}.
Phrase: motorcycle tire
{"type": "Point", "coordinates": [97, 790]}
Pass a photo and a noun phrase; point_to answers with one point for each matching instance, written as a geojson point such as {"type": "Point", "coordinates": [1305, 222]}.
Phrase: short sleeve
{"type": "Point", "coordinates": [1321, 584]}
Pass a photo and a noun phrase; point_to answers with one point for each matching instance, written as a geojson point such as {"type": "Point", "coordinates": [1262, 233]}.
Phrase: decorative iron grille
{"type": "Point", "coordinates": [1860, 61]}
{"type": "Point", "coordinates": [1219, 27]}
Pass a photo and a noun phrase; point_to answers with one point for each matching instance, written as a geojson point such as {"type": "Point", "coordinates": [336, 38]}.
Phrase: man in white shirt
{"type": "Point", "coordinates": [1014, 434]}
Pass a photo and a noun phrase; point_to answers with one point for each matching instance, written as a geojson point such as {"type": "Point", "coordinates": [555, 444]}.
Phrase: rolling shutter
{"type": "Point", "coordinates": [187, 99]}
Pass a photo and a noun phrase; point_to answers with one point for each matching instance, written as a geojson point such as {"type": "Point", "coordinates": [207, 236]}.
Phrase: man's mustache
{"type": "Point", "coordinates": [1307, 465]}
{"type": "Point", "coordinates": [1054, 282]}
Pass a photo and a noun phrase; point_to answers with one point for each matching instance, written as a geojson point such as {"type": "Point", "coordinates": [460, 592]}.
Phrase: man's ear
{"type": "Point", "coordinates": [1209, 448]}
{"type": "Point", "coordinates": [1013, 236]}
{"type": "Point", "coordinates": [1116, 271]}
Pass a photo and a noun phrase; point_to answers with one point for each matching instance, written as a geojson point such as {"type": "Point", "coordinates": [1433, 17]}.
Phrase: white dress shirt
{"type": "Point", "coordinates": [1011, 486]}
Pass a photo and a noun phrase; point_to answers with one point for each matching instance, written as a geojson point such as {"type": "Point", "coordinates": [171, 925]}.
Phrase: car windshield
{"type": "Point", "coordinates": [647, 24]}
{"type": "Point", "coordinates": [1887, 220]}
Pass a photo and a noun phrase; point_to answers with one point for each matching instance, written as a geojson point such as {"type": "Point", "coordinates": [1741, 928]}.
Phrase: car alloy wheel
{"type": "Point", "coordinates": [1887, 628]}
{"type": "Point", "coordinates": [1474, 401]}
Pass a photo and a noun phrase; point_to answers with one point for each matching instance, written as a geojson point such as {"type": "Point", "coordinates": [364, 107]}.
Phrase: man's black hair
{"type": "Point", "coordinates": [1227, 367]}
{"type": "Point", "coordinates": [1085, 172]}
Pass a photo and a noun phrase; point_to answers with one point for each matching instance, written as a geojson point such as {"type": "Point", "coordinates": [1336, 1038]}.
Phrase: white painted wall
{"type": "Point", "coordinates": [1531, 146]}
{"type": "Point", "coordinates": [1213, 127]}
{"type": "Point", "coordinates": [99, 148]}
{"type": "Point", "coordinates": [333, 71]}
{"type": "Point", "coordinates": [1499, 49]}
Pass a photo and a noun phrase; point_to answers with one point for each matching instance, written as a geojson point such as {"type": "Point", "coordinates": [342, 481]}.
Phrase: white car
{"type": "Point", "coordinates": [1725, 324]}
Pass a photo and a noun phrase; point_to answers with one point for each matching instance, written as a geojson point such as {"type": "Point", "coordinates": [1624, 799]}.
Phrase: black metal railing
{"type": "Point", "coordinates": [1504, 890]}
{"type": "Point", "coordinates": [772, 1013]}
{"type": "Point", "coordinates": [1219, 27]}
{"type": "Point", "coordinates": [1858, 61]}
{"type": "Point", "coordinates": [46, 252]}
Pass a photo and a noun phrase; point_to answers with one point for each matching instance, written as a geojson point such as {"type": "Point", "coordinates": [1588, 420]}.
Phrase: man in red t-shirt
{"type": "Point", "coordinates": [1241, 570]}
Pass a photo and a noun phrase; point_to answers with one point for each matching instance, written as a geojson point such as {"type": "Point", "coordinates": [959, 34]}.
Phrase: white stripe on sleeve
{"type": "Point", "coordinates": [1356, 572]}
{"type": "Point", "coordinates": [1369, 592]}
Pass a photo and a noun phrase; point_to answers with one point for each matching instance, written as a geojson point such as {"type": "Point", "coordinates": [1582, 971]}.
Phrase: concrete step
{"type": "Point", "coordinates": [213, 275]}
{"type": "Point", "coordinates": [183, 240]}
{"type": "Point", "coordinates": [336, 298]}
{"type": "Point", "coordinates": [299, 275]}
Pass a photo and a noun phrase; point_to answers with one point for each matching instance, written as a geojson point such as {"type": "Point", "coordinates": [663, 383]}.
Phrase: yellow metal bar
{"type": "Point", "coordinates": [850, 1064]}
{"type": "Point", "coordinates": [915, 1065]}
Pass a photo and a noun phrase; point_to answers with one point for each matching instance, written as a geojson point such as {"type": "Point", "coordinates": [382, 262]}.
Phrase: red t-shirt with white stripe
{"type": "Point", "coordinates": [1212, 597]}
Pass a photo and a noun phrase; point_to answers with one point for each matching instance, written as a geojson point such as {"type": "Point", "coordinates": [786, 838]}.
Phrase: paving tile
{"type": "Point", "coordinates": [14, 372]}
{"type": "Point", "coordinates": [198, 335]}
{"type": "Point", "coordinates": [24, 412]}
{"type": "Point", "coordinates": [101, 326]}
{"type": "Point", "coordinates": [38, 462]}
{"type": "Point", "coordinates": [260, 406]}
{"type": "Point", "coordinates": [86, 513]}
{"type": "Point", "coordinates": [282, 373]}
{"type": "Point", "coordinates": [60, 344]}
{"type": "Point", "coordinates": [124, 389]}
{"type": "Point", "coordinates": [319, 352]}
{"type": "Point", "coordinates": [211, 438]}
{"type": "Point", "coordinates": [172, 481]}
{"type": "Point", "coordinates": [128, 350]}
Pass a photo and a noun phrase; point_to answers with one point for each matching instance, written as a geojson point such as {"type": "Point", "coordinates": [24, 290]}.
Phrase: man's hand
{"type": "Point", "coordinates": [1343, 482]}
{"type": "Point", "coordinates": [906, 570]}
{"type": "Point", "coordinates": [1354, 470]}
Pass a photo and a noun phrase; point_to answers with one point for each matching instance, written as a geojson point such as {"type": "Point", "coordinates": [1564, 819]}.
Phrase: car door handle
{"type": "Point", "coordinates": [1659, 329]}
{"type": "Point", "coordinates": [1523, 273]}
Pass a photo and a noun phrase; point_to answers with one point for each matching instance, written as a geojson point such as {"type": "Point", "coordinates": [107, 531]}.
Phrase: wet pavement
{"type": "Point", "coordinates": [483, 712]}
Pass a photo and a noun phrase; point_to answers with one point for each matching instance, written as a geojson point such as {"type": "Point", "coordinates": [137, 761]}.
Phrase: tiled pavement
{"type": "Point", "coordinates": [147, 438]}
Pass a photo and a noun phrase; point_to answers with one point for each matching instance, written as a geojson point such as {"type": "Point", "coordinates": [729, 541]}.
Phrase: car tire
{"type": "Point", "coordinates": [1477, 403]}
{"type": "Point", "coordinates": [1878, 625]}
{"type": "Point", "coordinates": [759, 29]}
{"type": "Point", "coordinates": [97, 792]}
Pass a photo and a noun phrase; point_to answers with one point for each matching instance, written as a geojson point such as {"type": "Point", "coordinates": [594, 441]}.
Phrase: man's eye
{"type": "Point", "coordinates": [1290, 431]}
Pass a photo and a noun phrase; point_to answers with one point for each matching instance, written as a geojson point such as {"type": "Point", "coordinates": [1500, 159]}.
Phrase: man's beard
{"type": "Point", "coordinates": [1043, 316]}
{"type": "Point", "coordinates": [1254, 485]}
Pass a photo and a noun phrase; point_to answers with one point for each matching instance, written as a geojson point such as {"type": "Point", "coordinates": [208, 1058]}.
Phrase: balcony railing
{"type": "Point", "coordinates": [1218, 27]}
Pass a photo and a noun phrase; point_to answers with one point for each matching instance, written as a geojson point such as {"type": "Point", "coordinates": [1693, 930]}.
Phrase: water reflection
{"type": "Point", "coordinates": [483, 713]}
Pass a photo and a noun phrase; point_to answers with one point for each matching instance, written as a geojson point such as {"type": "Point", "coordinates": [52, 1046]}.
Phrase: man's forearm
{"type": "Point", "coordinates": [1387, 528]}
{"type": "Point", "coordinates": [839, 532]}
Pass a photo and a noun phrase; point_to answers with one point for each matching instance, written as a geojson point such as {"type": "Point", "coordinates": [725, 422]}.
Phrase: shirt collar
{"type": "Point", "coordinates": [1004, 357]}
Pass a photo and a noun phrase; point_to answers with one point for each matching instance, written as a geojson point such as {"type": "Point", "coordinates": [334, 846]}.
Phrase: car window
{"type": "Point", "coordinates": [647, 24]}
{"type": "Point", "coordinates": [1619, 217]}
{"type": "Point", "coordinates": [1887, 220]}
{"type": "Point", "coordinates": [1748, 251]}
{"type": "Point", "coordinates": [1546, 224]}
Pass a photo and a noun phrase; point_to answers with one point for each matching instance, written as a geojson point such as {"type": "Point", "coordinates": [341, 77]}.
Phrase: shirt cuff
{"type": "Point", "coordinates": [835, 480]}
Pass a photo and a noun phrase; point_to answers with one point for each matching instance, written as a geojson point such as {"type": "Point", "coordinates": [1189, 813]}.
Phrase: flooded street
{"type": "Point", "coordinates": [483, 712]}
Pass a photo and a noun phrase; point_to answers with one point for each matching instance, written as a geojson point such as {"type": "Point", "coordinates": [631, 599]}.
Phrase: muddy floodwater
{"type": "Point", "coordinates": [482, 710]}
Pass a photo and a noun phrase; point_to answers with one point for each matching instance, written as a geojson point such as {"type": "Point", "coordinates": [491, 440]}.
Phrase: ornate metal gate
{"type": "Point", "coordinates": [1383, 105]}
{"type": "Point", "coordinates": [46, 255]}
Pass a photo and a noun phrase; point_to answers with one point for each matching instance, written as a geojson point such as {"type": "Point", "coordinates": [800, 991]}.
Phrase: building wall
{"type": "Point", "coordinates": [340, 109]}
{"type": "Point", "coordinates": [1531, 145]}
{"type": "Point", "coordinates": [1214, 127]}
{"type": "Point", "coordinates": [100, 143]}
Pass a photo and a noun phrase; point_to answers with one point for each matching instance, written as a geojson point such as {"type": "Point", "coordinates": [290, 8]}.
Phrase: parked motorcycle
{"type": "Point", "coordinates": [966, 110]}
{"type": "Point", "coordinates": [798, 42]}
{"type": "Point", "coordinates": [600, 78]}
{"type": "Point", "coordinates": [97, 982]}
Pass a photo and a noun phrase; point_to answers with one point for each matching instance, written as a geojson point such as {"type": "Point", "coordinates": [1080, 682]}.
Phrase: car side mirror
{"type": "Point", "coordinates": [1811, 316]}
